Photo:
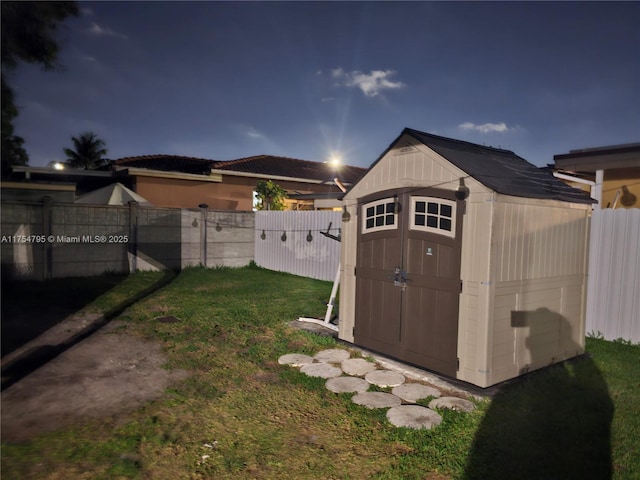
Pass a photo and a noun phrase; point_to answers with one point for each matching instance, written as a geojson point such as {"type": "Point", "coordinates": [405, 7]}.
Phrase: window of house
{"type": "Point", "coordinates": [435, 215]}
{"type": "Point", "coordinates": [379, 215]}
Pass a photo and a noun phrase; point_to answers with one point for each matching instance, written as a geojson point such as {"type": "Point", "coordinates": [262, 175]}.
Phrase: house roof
{"type": "Point", "coordinates": [500, 170]}
{"type": "Point", "coordinates": [168, 163]}
{"type": "Point", "coordinates": [265, 165]}
{"type": "Point", "coordinates": [269, 165]}
{"type": "Point", "coordinates": [600, 158]}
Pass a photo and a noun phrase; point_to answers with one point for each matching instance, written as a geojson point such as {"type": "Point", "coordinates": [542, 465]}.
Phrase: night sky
{"type": "Point", "coordinates": [222, 80]}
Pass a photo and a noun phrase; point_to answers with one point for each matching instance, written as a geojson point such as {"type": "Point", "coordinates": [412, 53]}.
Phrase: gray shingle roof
{"type": "Point", "coordinates": [501, 170]}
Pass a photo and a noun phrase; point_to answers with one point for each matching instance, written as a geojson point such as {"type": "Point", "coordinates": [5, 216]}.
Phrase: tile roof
{"type": "Point", "coordinates": [267, 165]}
{"type": "Point", "coordinates": [501, 170]}
{"type": "Point", "coordinates": [292, 168]}
{"type": "Point", "coordinates": [168, 163]}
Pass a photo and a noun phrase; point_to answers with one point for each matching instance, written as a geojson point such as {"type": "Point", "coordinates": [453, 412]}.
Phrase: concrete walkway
{"type": "Point", "coordinates": [356, 375]}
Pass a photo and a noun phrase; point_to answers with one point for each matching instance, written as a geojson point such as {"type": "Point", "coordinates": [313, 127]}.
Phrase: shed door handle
{"type": "Point", "coordinates": [399, 277]}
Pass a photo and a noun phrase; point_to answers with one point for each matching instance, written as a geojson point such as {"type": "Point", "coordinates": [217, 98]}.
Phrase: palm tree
{"type": "Point", "coordinates": [87, 152]}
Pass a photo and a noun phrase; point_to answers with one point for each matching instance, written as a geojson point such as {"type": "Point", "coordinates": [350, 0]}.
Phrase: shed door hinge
{"type": "Point", "coordinates": [458, 365]}
{"type": "Point", "coordinates": [460, 286]}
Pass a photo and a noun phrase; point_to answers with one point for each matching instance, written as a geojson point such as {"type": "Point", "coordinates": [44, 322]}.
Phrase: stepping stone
{"type": "Point", "coordinates": [333, 355]}
{"type": "Point", "coordinates": [453, 403]}
{"type": "Point", "coordinates": [168, 319]}
{"type": "Point", "coordinates": [376, 400]}
{"type": "Point", "coordinates": [295, 359]}
{"type": "Point", "coordinates": [322, 370]}
{"type": "Point", "coordinates": [347, 385]}
{"type": "Point", "coordinates": [413, 416]}
{"type": "Point", "coordinates": [411, 392]}
{"type": "Point", "coordinates": [385, 378]}
{"type": "Point", "coordinates": [357, 367]}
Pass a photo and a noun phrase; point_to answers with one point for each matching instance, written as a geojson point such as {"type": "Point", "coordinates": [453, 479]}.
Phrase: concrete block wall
{"type": "Point", "coordinates": [230, 238]}
{"type": "Point", "coordinates": [88, 240]}
{"type": "Point", "coordinates": [21, 259]}
{"type": "Point", "coordinates": [217, 238]}
{"type": "Point", "coordinates": [158, 236]}
{"type": "Point", "coordinates": [46, 240]}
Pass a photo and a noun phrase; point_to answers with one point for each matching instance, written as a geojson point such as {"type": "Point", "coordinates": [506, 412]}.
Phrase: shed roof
{"type": "Point", "coordinates": [500, 170]}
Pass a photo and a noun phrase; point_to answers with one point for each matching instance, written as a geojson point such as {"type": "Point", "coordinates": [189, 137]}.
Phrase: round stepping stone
{"type": "Point", "coordinates": [413, 416]}
{"type": "Point", "coordinates": [333, 355]}
{"type": "Point", "coordinates": [376, 400]}
{"type": "Point", "coordinates": [347, 384]}
{"type": "Point", "coordinates": [295, 359]}
{"type": "Point", "coordinates": [357, 367]}
{"type": "Point", "coordinates": [411, 392]}
{"type": "Point", "coordinates": [385, 378]}
{"type": "Point", "coordinates": [322, 370]}
{"type": "Point", "coordinates": [453, 403]}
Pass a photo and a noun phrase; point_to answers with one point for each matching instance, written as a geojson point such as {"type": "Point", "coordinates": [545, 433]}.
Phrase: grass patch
{"type": "Point", "coordinates": [241, 415]}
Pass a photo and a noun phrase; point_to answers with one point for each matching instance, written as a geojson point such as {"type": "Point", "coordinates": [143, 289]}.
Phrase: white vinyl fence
{"type": "Point", "coordinates": [292, 242]}
{"type": "Point", "coordinates": [613, 296]}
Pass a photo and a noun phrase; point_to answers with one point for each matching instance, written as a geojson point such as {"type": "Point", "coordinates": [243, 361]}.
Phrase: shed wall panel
{"type": "Point", "coordinates": [348, 257]}
{"type": "Point", "coordinates": [408, 165]}
{"type": "Point", "coordinates": [536, 323]}
{"type": "Point", "coordinates": [534, 241]}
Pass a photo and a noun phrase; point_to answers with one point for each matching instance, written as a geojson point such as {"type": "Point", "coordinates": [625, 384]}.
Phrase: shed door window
{"type": "Point", "coordinates": [435, 215]}
{"type": "Point", "coordinates": [379, 215]}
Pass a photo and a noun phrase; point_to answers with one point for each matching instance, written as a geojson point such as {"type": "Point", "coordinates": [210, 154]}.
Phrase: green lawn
{"type": "Point", "coordinates": [241, 415]}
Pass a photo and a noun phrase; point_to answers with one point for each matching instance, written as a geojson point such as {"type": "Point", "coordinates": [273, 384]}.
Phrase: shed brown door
{"type": "Point", "coordinates": [408, 276]}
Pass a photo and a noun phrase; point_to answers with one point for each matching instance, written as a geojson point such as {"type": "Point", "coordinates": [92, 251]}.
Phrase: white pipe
{"type": "Point", "coordinates": [573, 179]}
{"type": "Point", "coordinates": [340, 185]}
{"type": "Point", "coordinates": [332, 298]}
{"type": "Point", "coordinates": [596, 187]}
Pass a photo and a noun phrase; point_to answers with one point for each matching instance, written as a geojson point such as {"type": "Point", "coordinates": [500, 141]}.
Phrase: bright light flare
{"type": "Point", "coordinates": [335, 160]}
{"type": "Point", "coordinates": [56, 165]}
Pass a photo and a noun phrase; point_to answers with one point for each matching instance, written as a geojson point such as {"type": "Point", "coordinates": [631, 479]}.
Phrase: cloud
{"type": "Point", "coordinates": [105, 32]}
{"type": "Point", "coordinates": [485, 127]}
{"type": "Point", "coordinates": [371, 84]}
{"type": "Point", "coordinates": [253, 133]}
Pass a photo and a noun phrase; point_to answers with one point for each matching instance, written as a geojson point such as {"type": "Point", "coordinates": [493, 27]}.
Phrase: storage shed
{"type": "Point", "coordinates": [464, 259]}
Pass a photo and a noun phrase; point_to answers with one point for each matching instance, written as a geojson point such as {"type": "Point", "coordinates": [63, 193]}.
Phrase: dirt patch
{"type": "Point", "coordinates": [108, 373]}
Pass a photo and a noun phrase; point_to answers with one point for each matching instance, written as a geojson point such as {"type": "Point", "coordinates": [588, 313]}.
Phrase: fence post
{"type": "Point", "coordinates": [47, 258]}
{"type": "Point", "coordinates": [203, 233]}
{"type": "Point", "coordinates": [133, 236]}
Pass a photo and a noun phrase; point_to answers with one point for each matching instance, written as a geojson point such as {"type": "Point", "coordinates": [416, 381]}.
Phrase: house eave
{"type": "Point", "coordinates": [144, 172]}
{"type": "Point", "coordinates": [270, 177]}
{"type": "Point", "coordinates": [60, 173]}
